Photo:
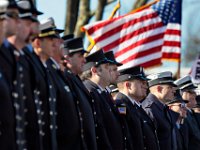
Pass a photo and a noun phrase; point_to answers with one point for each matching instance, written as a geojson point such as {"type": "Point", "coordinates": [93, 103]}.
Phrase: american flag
{"type": "Point", "coordinates": [141, 38]}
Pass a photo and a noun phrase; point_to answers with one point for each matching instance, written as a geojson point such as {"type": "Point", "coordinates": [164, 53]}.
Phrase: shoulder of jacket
{"type": "Point", "coordinates": [147, 103]}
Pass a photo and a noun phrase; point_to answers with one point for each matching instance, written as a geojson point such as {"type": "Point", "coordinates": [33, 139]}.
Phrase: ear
{"type": "Point", "coordinates": [159, 89]}
{"type": "Point", "coordinates": [127, 84]}
{"type": "Point", "coordinates": [93, 70]}
{"type": "Point", "coordinates": [37, 43]}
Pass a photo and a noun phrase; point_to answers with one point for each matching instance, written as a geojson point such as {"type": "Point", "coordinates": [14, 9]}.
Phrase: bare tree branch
{"type": "Point", "coordinates": [71, 15]}
{"type": "Point", "coordinates": [100, 9]}
{"type": "Point", "coordinates": [83, 18]}
{"type": "Point", "coordinates": [110, 1]}
{"type": "Point", "coordinates": [139, 3]}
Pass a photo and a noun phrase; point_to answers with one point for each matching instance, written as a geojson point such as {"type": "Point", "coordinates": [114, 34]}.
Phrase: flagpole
{"type": "Point", "coordinates": [179, 70]}
{"type": "Point", "coordinates": [115, 10]}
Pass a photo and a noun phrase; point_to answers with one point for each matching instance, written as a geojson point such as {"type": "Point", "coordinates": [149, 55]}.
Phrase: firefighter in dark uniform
{"type": "Point", "coordinates": [73, 134]}
{"type": "Point", "coordinates": [196, 108]}
{"type": "Point", "coordinates": [68, 133]}
{"type": "Point", "coordinates": [109, 130]}
{"type": "Point", "coordinates": [132, 89]}
{"type": "Point", "coordinates": [114, 74]}
{"type": "Point", "coordinates": [178, 105]}
{"type": "Point", "coordinates": [20, 40]}
{"type": "Point", "coordinates": [13, 72]}
{"type": "Point", "coordinates": [187, 88]}
{"type": "Point", "coordinates": [162, 89]}
{"type": "Point", "coordinates": [7, 117]}
{"type": "Point", "coordinates": [74, 61]}
{"type": "Point", "coordinates": [41, 91]}
{"type": "Point", "coordinates": [43, 46]}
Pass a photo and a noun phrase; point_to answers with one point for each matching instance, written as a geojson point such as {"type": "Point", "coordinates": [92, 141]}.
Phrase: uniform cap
{"type": "Point", "coordinates": [95, 59]}
{"type": "Point", "coordinates": [185, 83]}
{"type": "Point", "coordinates": [161, 78]}
{"type": "Point", "coordinates": [3, 8]}
{"type": "Point", "coordinates": [48, 28]}
{"type": "Point", "coordinates": [74, 45]}
{"type": "Point", "coordinates": [136, 72]}
{"type": "Point", "coordinates": [110, 55]}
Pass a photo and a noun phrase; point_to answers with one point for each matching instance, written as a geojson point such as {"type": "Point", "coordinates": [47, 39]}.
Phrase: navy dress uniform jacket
{"type": "Point", "coordinates": [109, 131]}
{"type": "Point", "coordinates": [141, 126]}
{"type": "Point", "coordinates": [42, 95]}
{"type": "Point", "coordinates": [87, 108]}
{"type": "Point", "coordinates": [164, 122]}
{"type": "Point", "coordinates": [7, 64]}
{"type": "Point", "coordinates": [31, 118]}
{"type": "Point", "coordinates": [182, 137]}
{"type": "Point", "coordinates": [194, 132]}
{"type": "Point", "coordinates": [68, 121]}
{"type": "Point", "coordinates": [7, 121]}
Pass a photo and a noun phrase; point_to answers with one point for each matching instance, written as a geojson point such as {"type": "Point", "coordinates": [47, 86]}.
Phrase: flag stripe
{"type": "Point", "coordinates": [147, 20]}
{"type": "Point", "coordinates": [144, 41]}
{"type": "Point", "coordinates": [142, 60]}
{"type": "Point", "coordinates": [107, 25]}
{"type": "Point", "coordinates": [144, 37]}
{"type": "Point", "coordinates": [172, 43]}
{"type": "Point", "coordinates": [138, 49]}
{"type": "Point", "coordinates": [142, 54]}
{"type": "Point", "coordinates": [135, 36]}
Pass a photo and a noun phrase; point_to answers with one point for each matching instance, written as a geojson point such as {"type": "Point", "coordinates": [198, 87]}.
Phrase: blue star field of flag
{"type": "Point", "coordinates": [169, 10]}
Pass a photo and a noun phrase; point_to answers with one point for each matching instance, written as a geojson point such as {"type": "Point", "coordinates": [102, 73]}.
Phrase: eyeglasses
{"type": "Point", "coordinates": [12, 15]}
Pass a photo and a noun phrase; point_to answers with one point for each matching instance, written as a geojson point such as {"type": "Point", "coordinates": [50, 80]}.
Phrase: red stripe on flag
{"type": "Point", "coordinates": [141, 42]}
{"type": "Point", "coordinates": [128, 36]}
{"type": "Point", "coordinates": [130, 22]}
{"type": "Point", "coordinates": [142, 54]}
{"type": "Point", "coordinates": [171, 55]}
{"type": "Point", "coordinates": [151, 63]}
{"type": "Point", "coordinates": [173, 32]}
{"type": "Point", "coordinates": [172, 43]}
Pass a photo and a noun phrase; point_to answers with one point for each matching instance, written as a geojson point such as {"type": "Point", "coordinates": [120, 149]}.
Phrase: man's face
{"type": "Point", "coordinates": [24, 30]}
{"type": "Point", "coordinates": [47, 45]}
{"type": "Point", "coordinates": [11, 22]}
{"type": "Point", "coordinates": [58, 53]}
{"type": "Point", "coordinates": [167, 92]}
{"type": "Point", "coordinates": [138, 89]}
{"type": "Point", "coordinates": [114, 73]}
{"type": "Point", "coordinates": [191, 97]}
{"type": "Point", "coordinates": [76, 62]}
{"type": "Point", "coordinates": [103, 72]}
{"type": "Point", "coordinates": [34, 30]}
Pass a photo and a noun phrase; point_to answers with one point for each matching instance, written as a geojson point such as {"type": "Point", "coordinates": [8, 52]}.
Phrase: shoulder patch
{"type": "Point", "coordinates": [122, 110]}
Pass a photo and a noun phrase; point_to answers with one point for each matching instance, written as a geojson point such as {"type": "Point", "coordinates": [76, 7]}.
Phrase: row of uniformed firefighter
{"type": "Point", "coordinates": [45, 105]}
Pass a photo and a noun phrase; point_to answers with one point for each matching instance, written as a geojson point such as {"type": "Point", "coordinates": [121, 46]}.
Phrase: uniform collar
{"type": "Point", "coordinates": [132, 100]}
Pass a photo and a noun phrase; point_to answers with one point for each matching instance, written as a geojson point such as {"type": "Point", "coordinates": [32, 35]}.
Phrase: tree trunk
{"type": "Point", "coordinates": [71, 16]}
{"type": "Point", "coordinates": [139, 3]}
{"type": "Point", "coordinates": [83, 18]}
{"type": "Point", "coordinates": [100, 9]}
